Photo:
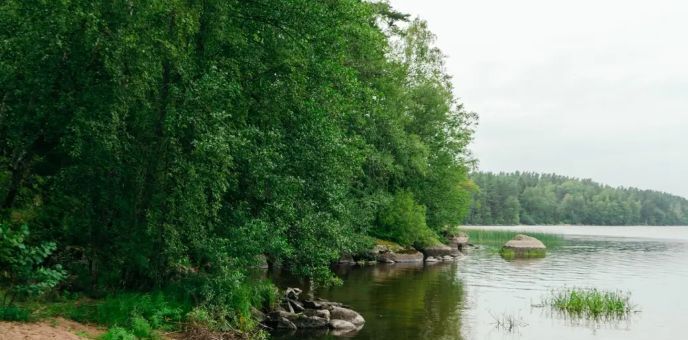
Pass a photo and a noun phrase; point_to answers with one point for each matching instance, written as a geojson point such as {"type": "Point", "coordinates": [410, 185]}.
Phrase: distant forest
{"type": "Point", "coordinates": [531, 198]}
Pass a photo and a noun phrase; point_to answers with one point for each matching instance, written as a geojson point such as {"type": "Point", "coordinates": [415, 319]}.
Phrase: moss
{"type": "Point", "coordinates": [395, 247]}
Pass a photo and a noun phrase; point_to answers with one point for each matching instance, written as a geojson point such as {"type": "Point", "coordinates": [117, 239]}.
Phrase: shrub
{"type": "Point", "coordinates": [117, 333]}
{"type": "Point", "coordinates": [403, 221]}
{"type": "Point", "coordinates": [22, 273]}
{"type": "Point", "coordinates": [14, 313]}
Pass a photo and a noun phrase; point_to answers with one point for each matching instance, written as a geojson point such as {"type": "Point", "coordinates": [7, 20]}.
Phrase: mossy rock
{"type": "Point", "coordinates": [523, 247]}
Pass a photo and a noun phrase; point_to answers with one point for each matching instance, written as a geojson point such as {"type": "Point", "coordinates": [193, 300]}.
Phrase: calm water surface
{"type": "Point", "coordinates": [461, 300]}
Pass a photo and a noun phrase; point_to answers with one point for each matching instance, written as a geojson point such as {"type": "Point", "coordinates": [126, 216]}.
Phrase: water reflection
{"type": "Point", "coordinates": [401, 301]}
{"type": "Point", "coordinates": [455, 300]}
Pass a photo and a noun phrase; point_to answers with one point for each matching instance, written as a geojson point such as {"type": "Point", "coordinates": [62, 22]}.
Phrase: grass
{"type": "Point", "coordinates": [591, 303]}
{"type": "Point", "coordinates": [497, 238]}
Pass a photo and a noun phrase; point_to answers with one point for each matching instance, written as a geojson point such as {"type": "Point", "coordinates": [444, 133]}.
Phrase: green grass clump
{"type": "Point", "coordinates": [591, 303]}
{"type": "Point", "coordinates": [499, 237]}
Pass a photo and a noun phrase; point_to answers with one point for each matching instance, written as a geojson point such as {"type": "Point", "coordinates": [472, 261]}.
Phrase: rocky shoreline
{"type": "Point", "coordinates": [389, 252]}
{"type": "Point", "coordinates": [316, 315]}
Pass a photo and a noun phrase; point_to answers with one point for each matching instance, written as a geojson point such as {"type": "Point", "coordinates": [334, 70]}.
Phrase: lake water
{"type": "Point", "coordinates": [461, 300]}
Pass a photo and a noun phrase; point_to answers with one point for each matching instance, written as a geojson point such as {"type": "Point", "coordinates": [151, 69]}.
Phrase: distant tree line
{"type": "Point", "coordinates": [531, 198]}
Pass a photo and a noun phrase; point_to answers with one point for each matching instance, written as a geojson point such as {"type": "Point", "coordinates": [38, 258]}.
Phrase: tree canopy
{"type": "Point", "coordinates": [159, 142]}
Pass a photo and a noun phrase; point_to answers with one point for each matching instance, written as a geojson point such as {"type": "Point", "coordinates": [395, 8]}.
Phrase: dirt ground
{"type": "Point", "coordinates": [56, 329]}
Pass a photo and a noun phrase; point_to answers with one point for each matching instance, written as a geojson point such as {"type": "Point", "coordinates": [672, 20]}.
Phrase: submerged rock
{"type": "Point", "coordinates": [523, 246]}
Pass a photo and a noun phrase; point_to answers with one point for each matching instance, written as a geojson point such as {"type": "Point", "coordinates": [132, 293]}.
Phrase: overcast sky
{"type": "Point", "coordinates": [588, 88]}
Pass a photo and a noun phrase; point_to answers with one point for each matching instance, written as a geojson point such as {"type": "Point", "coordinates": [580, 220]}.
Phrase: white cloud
{"type": "Point", "coordinates": [588, 88]}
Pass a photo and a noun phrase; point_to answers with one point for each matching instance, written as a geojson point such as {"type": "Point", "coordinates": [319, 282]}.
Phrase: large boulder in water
{"type": "Point", "coordinates": [523, 246]}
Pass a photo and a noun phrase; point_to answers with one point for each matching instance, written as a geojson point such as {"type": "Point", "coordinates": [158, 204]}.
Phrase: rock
{"type": "Point", "coordinates": [321, 313]}
{"type": "Point", "coordinates": [320, 304]}
{"type": "Point", "coordinates": [409, 256]}
{"type": "Point", "coordinates": [343, 325]}
{"type": "Point", "coordinates": [292, 293]}
{"type": "Point", "coordinates": [386, 257]}
{"type": "Point", "coordinates": [296, 306]}
{"type": "Point", "coordinates": [282, 320]}
{"type": "Point", "coordinates": [305, 321]}
{"type": "Point", "coordinates": [439, 250]}
{"type": "Point", "coordinates": [313, 304]}
{"type": "Point", "coordinates": [258, 315]}
{"type": "Point", "coordinates": [523, 246]}
{"type": "Point", "coordinates": [459, 241]}
{"type": "Point", "coordinates": [346, 260]}
{"type": "Point", "coordinates": [447, 258]}
{"type": "Point", "coordinates": [431, 259]}
{"type": "Point", "coordinates": [346, 314]}
{"type": "Point", "coordinates": [406, 256]}
{"type": "Point", "coordinates": [284, 323]}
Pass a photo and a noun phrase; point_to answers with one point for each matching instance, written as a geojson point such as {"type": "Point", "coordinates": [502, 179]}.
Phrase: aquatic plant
{"type": "Point", "coordinates": [508, 323]}
{"type": "Point", "coordinates": [591, 303]}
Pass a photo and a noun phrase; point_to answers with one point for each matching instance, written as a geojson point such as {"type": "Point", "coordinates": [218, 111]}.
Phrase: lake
{"type": "Point", "coordinates": [461, 300]}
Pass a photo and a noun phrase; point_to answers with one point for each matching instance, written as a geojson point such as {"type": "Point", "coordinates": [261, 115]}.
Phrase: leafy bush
{"type": "Point", "coordinates": [14, 313]}
{"type": "Point", "coordinates": [22, 273]}
{"type": "Point", "coordinates": [118, 333]}
{"type": "Point", "coordinates": [403, 221]}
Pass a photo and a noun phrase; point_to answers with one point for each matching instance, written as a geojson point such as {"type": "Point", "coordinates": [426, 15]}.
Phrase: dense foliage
{"type": "Point", "coordinates": [171, 142]}
{"type": "Point", "coordinates": [530, 198]}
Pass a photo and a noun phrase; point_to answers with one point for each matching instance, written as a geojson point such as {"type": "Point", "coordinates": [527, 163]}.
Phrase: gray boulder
{"type": "Point", "coordinates": [343, 325]}
{"type": "Point", "coordinates": [459, 241]}
{"type": "Point", "coordinates": [305, 321]}
{"type": "Point", "coordinates": [346, 314]}
{"type": "Point", "coordinates": [321, 313]}
{"type": "Point", "coordinates": [523, 246]}
{"type": "Point", "coordinates": [346, 260]}
{"type": "Point", "coordinates": [440, 250]}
